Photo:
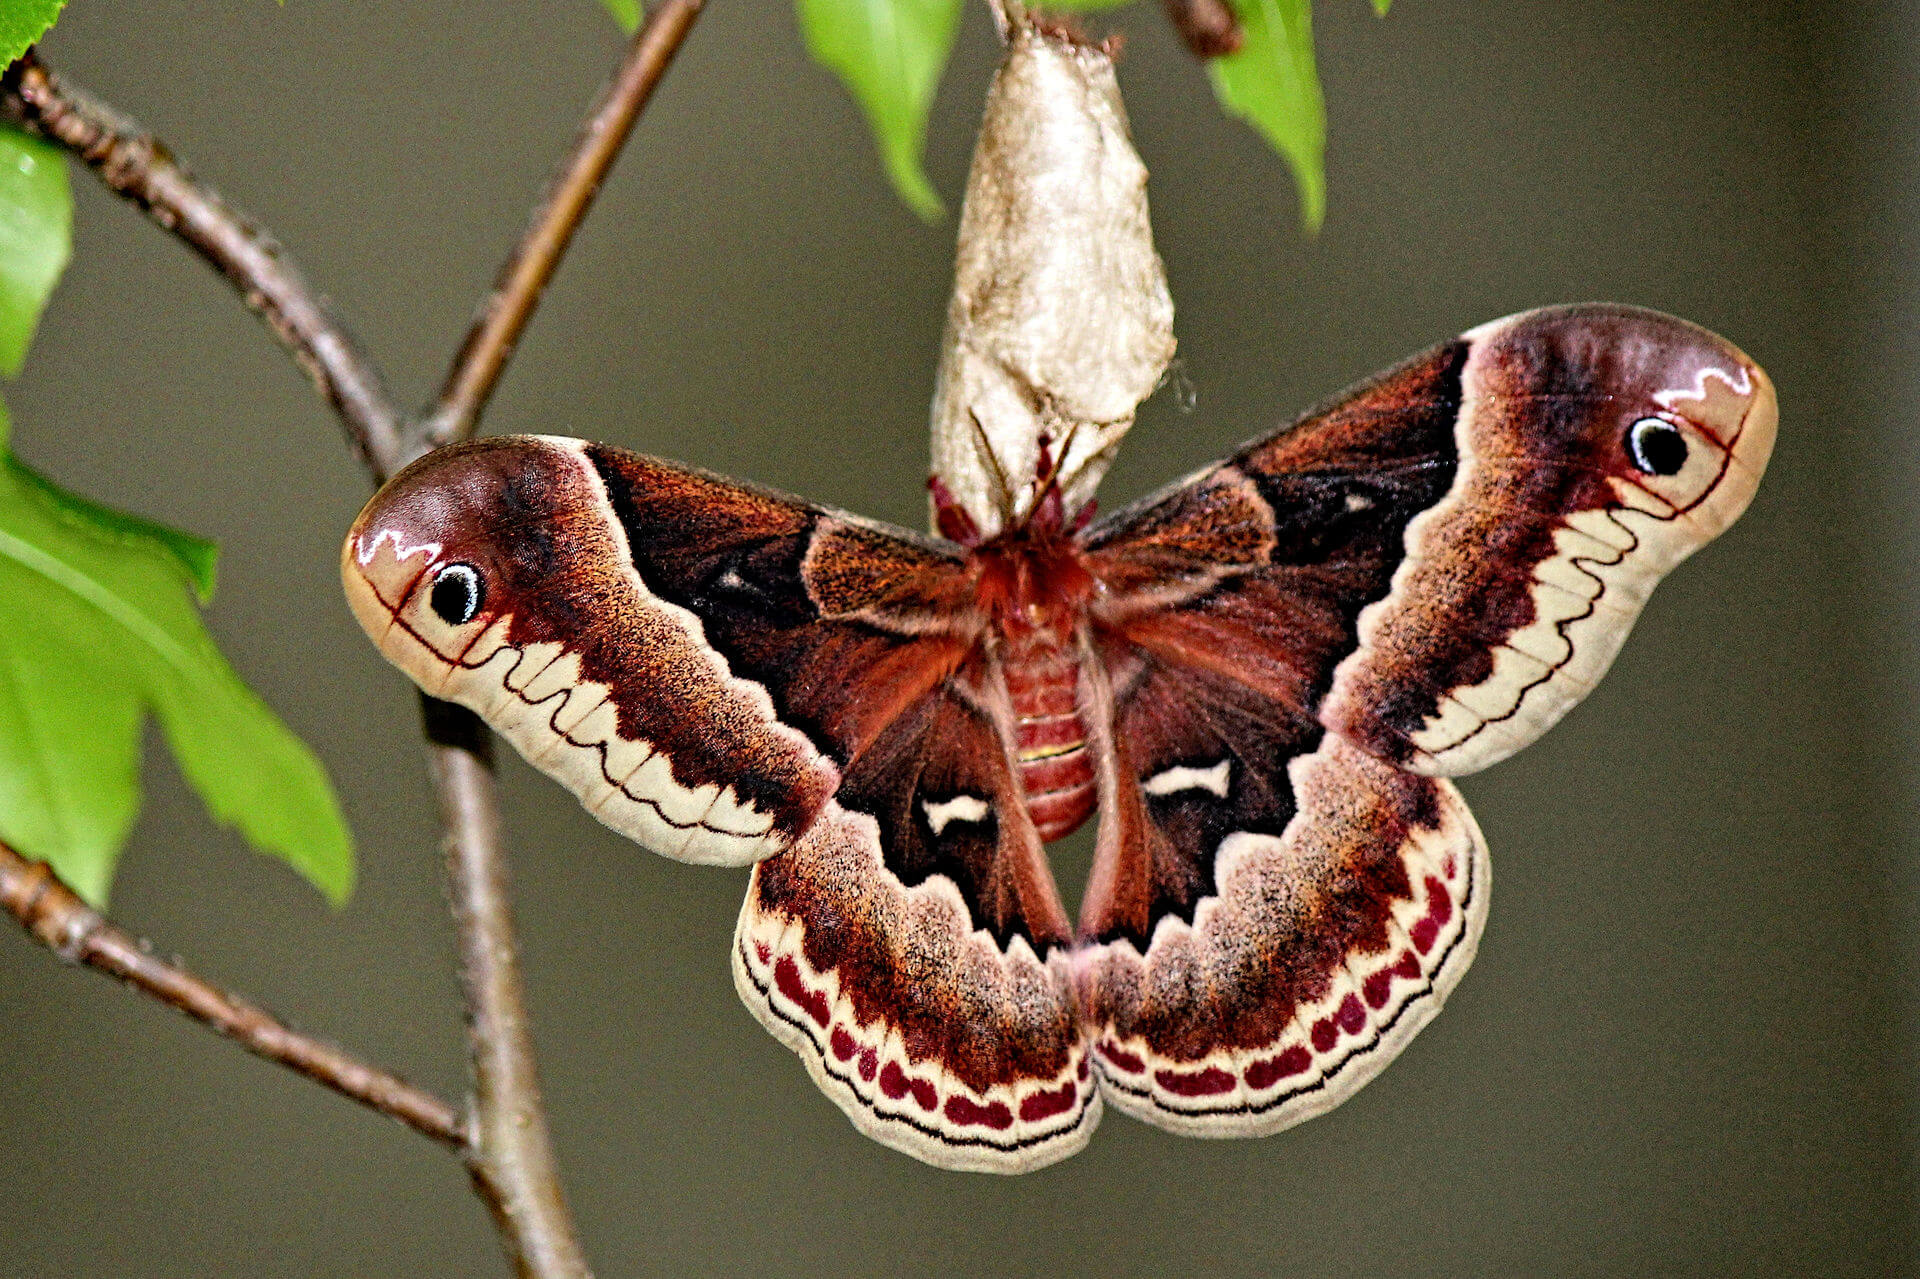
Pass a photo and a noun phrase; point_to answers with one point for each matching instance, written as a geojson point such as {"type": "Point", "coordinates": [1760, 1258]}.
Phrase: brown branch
{"type": "Point", "coordinates": [137, 166]}
{"type": "Point", "coordinates": [60, 921]}
{"type": "Point", "coordinates": [511, 1156]}
{"type": "Point", "coordinates": [508, 1150]}
{"type": "Point", "coordinates": [1208, 27]}
{"type": "Point", "coordinates": [516, 292]}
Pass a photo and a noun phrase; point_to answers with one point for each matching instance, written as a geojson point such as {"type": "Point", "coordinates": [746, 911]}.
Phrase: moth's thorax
{"type": "Point", "coordinates": [1034, 585]}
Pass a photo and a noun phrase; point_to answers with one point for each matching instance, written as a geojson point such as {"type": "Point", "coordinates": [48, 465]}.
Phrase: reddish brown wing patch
{"type": "Point", "coordinates": [1315, 956]}
{"type": "Point", "coordinates": [911, 949]}
{"type": "Point", "coordinates": [1519, 586]}
{"type": "Point", "coordinates": [1259, 567]}
{"type": "Point", "coordinates": [574, 657]}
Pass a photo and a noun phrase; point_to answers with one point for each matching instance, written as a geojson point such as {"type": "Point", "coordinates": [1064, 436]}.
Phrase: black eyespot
{"type": "Point", "coordinates": [1656, 446]}
{"type": "Point", "coordinates": [457, 594]}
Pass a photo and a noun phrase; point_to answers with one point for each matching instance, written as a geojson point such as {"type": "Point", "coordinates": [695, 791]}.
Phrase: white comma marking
{"type": "Point", "coordinates": [1181, 777]}
{"type": "Point", "coordinates": [961, 808]}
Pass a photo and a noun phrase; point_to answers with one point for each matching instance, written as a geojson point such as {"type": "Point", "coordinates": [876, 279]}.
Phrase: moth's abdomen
{"type": "Point", "coordinates": [1049, 740]}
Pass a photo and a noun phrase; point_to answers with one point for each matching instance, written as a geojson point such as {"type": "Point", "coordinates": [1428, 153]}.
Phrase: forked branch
{"type": "Point", "coordinates": [137, 166]}
{"type": "Point", "coordinates": [506, 1145]}
{"type": "Point", "coordinates": [503, 317]}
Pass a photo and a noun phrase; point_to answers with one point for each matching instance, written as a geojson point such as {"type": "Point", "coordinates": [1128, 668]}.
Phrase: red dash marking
{"type": "Point", "coordinates": [1194, 1083]}
{"type": "Point", "coordinates": [1407, 967]}
{"type": "Point", "coordinates": [1439, 904]}
{"type": "Point", "coordinates": [869, 1062]}
{"type": "Point", "coordinates": [842, 1044]}
{"type": "Point", "coordinates": [1351, 1015]}
{"type": "Point", "coordinates": [763, 950]}
{"type": "Point", "coordinates": [1377, 987]}
{"type": "Point", "coordinates": [1450, 866]}
{"type": "Point", "coordinates": [965, 1113]}
{"type": "Point", "coordinates": [925, 1097]}
{"type": "Point", "coordinates": [1325, 1035]}
{"type": "Point", "coordinates": [893, 1081]}
{"type": "Point", "coordinates": [1424, 931]}
{"type": "Point", "coordinates": [1122, 1058]}
{"type": "Point", "coordinates": [1265, 1074]}
{"type": "Point", "coordinates": [1085, 1068]}
{"type": "Point", "coordinates": [1047, 1103]}
{"type": "Point", "coordinates": [786, 975]}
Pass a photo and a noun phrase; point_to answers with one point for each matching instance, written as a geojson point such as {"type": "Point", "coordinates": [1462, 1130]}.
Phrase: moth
{"type": "Point", "coordinates": [1259, 678]}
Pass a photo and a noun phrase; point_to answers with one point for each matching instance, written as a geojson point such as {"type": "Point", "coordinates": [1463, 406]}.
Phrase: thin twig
{"type": "Point", "coordinates": [503, 317]}
{"type": "Point", "coordinates": [511, 1156]}
{"type": "Point", "coordinates": [60, 921]}
{"type": "Point", "coordinates": [508, 1150]}
{"type": "Point", "coordinates": [1208, 27]}
{"type": "Point", "coordinates": [136, 165]}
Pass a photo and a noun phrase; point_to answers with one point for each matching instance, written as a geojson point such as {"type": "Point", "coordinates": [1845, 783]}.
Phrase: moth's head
{"type": "Point", "coordinates": [426, 567]}
{"type": "Point", "coordinates": [1678, 420]}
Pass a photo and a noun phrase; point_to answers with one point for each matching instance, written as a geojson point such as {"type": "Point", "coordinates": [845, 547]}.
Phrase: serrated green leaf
{"type": "Point", "coordinates": [1270, 81]}
{"type": "Point", "coordinates": [625, 12]}
{"type": "Point", "coordinates": [889, 54]}
{"type": "Point", "coordinates": [198, 559]}
{"type": "Point", "coordinates": [36, 236]}
{"type": "Point", "coordinates": [100, 626]}
{"type": "Point", "coordinates": [1380, 7]}
{"type": "Point", "coordinates": [24, 21]}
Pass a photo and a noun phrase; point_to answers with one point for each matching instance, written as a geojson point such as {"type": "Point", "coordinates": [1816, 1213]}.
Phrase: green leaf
{"type": "Point", "coordinates": [1270, 82]}
{"type": "Point", "coordinates": [889, 54]}
{"type": "Point", "coordinates": [36, 235]}
{"type": "Point", "coordinates": [627, 13]}
{"type": "Point", "coordinates": [1380, 7]}
{"type": "Point", "coordinates": [101, 627]}
{"type": "Point", "coordinates": [22, 22]}
{"type": "Point", "coordinates": [198, 559]}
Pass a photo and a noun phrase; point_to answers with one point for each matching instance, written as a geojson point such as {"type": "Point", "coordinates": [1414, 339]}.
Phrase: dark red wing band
{"type": "Point", "coordinates": [1316, 955]}
{"type": "Point", "coordinates": [935, 1038]}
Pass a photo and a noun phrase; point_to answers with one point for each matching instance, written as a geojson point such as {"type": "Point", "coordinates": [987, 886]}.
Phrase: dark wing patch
{"type": "Point", "coordinates": [912, 950]}
{"type": "Point", "coordinates": [1313, 958]}
{"type": "Point", "coordinates": [1519, 587]}
{"type": "Point", "coordinates": [1196, 757]}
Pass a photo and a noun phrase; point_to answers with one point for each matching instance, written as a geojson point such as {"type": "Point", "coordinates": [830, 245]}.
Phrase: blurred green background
{"type": "Point", "coordinates": [1687, 1047]}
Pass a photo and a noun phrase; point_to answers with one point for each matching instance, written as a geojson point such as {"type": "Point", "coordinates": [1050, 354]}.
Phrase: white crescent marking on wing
{"type": "Point", "coordinates": [1181, 777]}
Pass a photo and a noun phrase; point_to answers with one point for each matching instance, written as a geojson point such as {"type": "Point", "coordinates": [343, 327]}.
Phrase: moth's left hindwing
{"type": "Point", "coordinates": [912, 949]}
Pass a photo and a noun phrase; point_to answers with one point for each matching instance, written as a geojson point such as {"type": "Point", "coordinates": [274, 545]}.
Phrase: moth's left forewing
{"type": "Point", "coordinates": [503, 575]}
{"type": "Point", "coordinates": [1597, 447]}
